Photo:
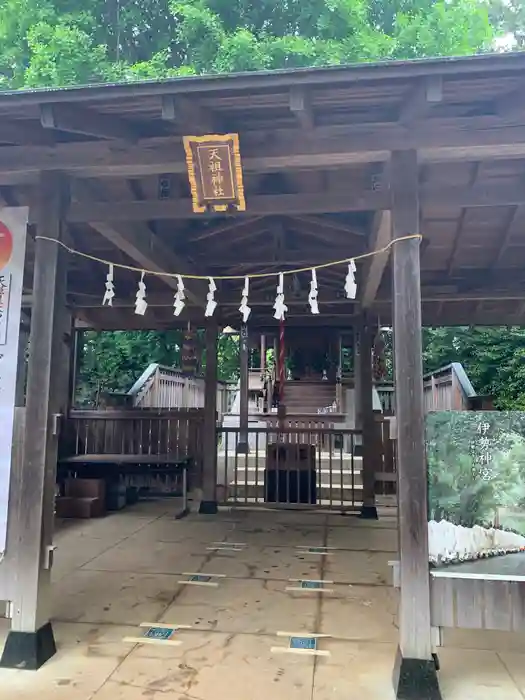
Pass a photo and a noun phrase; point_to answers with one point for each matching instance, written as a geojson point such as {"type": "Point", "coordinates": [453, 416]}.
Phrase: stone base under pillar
{"type": "Point", "coordinates": [208, 508]}
{"type": "Point", "coordinates": [368, 513]}
{"type": "Point", "coordinates": [28, 651]}
{"type": "Point", "coordinates": [416, 679]}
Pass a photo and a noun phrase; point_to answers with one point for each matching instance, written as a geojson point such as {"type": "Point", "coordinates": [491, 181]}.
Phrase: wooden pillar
{"type": "Point", "coordinates": [368, 509]}
{"type": "Point", "coordinates": [339, 375]}
{"type": "Point", "coordinates": [208, 504]}
{"type": "Point", "coordinates": [415, 673]}
{"type": "Point", "coordinates": [21, 372]}
{"type": "Point", "coordinates": [243, 446]}
{"type": "Point", "coordinates": [30, 642]}
{"type": "Point", "coordinates": [77, 338]}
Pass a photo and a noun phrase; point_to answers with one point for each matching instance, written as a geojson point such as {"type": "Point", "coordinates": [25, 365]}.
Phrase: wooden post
{"type": "Point", "coordinates": [243, 446]}
{"type": "Point", "coordinates": [368, 509]}
{"type": "Point", "coordinates": [208, 504]}
{"type": "Point", "coordinates": [339, 399]}
{"type": "Point", "coordinates": [263, 355]}
{"type": "Point", "coordinates": [30, 642]}
{"type": "Point", "coordinates": [415, 673]}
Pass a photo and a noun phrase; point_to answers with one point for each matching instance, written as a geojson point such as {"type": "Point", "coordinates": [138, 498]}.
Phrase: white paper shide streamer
{"type": "Point", "coordinates": [244, 308]}
{"type": "Point", "coordinates": [279, 306]}
{"type": "Point", "coordinates": [210, 298]}
{"type": "Point", "coordinates": [140, 298]}
{"type": "Point", "coordinates": [110, 288]}
{"type": "Point", "coordinates": [179, 299]}
{"type": "Point", "coordinates": [350, 283]}
{"type": "Point", "coordinates": [312, 297]}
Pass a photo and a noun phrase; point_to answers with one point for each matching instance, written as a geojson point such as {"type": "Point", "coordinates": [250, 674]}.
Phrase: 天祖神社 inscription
{"type": "Point", "coordinates": [215, 172]}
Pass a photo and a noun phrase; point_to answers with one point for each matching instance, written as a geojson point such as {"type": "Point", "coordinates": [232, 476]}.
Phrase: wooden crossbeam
{"type": "Point", "coordinates": [231, 299]}
{"type": "Point", "coordinates": [258, 205]}
{"type": "Point", "coordinates": [476, 138]}
{"type": "Point", "coordinates": [20, 132]}
{"type": "Point", "coordinates": [427, 92]}
{"type": "Point", "coordinates": [511, 104]}
{"type": "Point", "coordinates": [380, 236]}
{"type": "Point", "coordinates": [81, 120]}
{"type": "Point", "coordinates": [300, 107]}
{"type": "Point", "coordinates": [297, 204]}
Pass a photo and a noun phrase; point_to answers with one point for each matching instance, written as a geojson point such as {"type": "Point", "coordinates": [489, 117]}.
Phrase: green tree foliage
{"type": "Point", "coordinates": [111, 361]}
{"type": "Point", "coordinates": [62, 42]}
{"type": "Point", "coordinates": [508, 17]}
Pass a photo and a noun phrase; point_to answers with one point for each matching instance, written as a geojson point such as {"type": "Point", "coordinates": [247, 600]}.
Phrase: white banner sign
{"type": "Point", "coordinates": [13, 224]}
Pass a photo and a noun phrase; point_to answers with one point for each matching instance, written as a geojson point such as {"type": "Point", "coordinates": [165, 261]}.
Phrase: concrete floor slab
{"type": "Point", "coordinates": [210, 666]}
{"type": "Point", "coordinates": [155, 557]}
{"type": "Point", "coordinates": [475, 675]}
{"type": "Point", "coordinates": [238, 605]}
{"type": "Point", "coordinates": [113, 597]}
{"type": "Point", "coordinates": [359, 567]}
{"type": "Point", "coordinates": [264, 562]}
{"type": "Point", "coordinates": [360, 613]}
{"type": "Point", "coordinates": [367, 539]}
{"type": "Point", "coordinates": [355, 671]}
{"type": "Point", "coordinates": [114, 573]}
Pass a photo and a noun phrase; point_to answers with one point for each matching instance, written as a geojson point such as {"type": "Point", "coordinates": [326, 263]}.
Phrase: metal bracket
{"type": "Point", "coordinates": [57, 423]}
{"type": "Point", "coordinates": [49, 556]}
{"type": "Point", "coordinates": [436, 637]}
{"type": "Point", "coordinates": [392, 421]}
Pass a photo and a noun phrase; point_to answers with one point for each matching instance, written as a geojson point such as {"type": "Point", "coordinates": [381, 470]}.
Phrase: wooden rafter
{"type": "Point", "coordinates": [515, 224]}
{"type": "Point", "coordinates": [380, 236]}
{"type": "Point", "coordinates": [236, 225]}
{"type": "Point", "coordinates": [139, 243]}
{"type": "Point", "coordinates": [328, 225]}
{"type": "Point", "coordinates": [474, 172]}
{"type": "Point", "coordinates": [81, 120]}
{"type": "Point", "coordinates": [189, 115]}
{"type": "Point", "coordinates": [301, 108]}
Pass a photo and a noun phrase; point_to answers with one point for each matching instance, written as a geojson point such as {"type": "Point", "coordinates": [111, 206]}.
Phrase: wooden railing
{"type": "Point", "coordinates": [290, 466]}
{"type": "Point", "coordinates": [306, 427]}
{"type": "Point", "coordinates": [134, 432]}
{"type": "Point", "coordinates": [385, 457]}
{"type": "Point", "coordinates": [169, 388]}
{"type": "Point", "coordinates": [446, 389]}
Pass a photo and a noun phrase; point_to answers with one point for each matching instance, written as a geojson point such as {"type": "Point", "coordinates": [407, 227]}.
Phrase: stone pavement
{"type": "Point", "coordinates": [113, 574]}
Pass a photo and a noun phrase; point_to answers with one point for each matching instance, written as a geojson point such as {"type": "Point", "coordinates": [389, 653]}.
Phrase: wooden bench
{"type": "Point", "coordinates": [110, 465]}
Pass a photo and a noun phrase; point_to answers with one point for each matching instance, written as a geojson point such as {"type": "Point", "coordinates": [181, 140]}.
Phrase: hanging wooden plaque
{"type": "Point", "coordinates": [215, 172]}
{"type": "Point", "coordinates": [189, 353]}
